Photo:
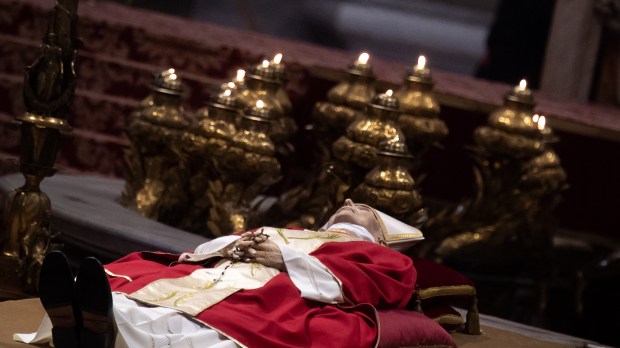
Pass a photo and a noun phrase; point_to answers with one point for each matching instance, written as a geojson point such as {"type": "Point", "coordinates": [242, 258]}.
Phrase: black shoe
{"type": "Point", "coordinates": [94, 298]}
{"type": "Point", "coordinates": [56, 294]}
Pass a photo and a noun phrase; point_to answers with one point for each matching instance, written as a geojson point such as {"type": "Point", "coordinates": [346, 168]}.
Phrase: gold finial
{"type": "Point", "coordinates": [420, 72]}
{"type": "Point", "coordinates": [385, 101]}
{"type": "Point", "coordinates": [362, 65]}
{"type": "Point", "coordinates": [168, 81]}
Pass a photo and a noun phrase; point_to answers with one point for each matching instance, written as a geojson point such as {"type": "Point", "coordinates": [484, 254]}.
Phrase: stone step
{"type": "Point", "coordinates": [91, 110]}
{"type": "Point", "coordinates": [105, 74]}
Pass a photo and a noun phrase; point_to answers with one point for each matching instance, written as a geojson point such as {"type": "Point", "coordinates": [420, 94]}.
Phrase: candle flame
{"type": "Point", "coordinates": [535, 118]}
{"type": "Point", "coordinates": [522, 85]}
{"type": "Point", "coordinates": [541, 122]}
{"type": "Point", "coordinates": [277, 58]}
{"type": "Point", "coordinates": [363, 58]}
{"type": "Point", "coordinates": [227, 92]}
{"type": "Point", "coordinates": [389, 92]}
{"type": "Point", "coordinates": [240, 75]}
{"type": "Point", "coordinates": [265, 63]}
{"type": "Point", "coordinates": [260, 104]}
{"type": "Point", "coordinates": [421, 62]}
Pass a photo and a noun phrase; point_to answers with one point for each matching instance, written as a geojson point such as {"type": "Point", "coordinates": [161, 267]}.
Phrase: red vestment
{"type": "Point", "coordinates": [275, 315]}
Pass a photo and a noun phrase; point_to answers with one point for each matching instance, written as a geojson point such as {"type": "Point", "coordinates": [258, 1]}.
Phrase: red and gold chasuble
{"type": "Point", "coordinates": [258, 306]}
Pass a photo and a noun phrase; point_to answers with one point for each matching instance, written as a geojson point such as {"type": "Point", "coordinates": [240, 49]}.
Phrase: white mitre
{"type": "Point", "coordinates": [397, 234]}
{"type": "Point", "coordinates": [387, 230]}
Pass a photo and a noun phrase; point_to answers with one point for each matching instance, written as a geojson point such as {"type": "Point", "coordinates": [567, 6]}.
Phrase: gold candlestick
{"type": "Point", "coordinates": [389, 186]}
{"type": "Point", "coordinates": [348, 98]}
{"type": "Point", "coordinates": [519, 182]}
{"type": "Point", "coordinates": [156, 172]}
{"type": "Point", "coordinates": [49, 88]}
{"type": "Point", "coordinates": [206, 143]}
{"type": "Point", "coordinates": [247, 169]}
{"type": "Point", "coordinates": [419, 119]}
{"type": "Point", "coordinates": [263, 84]}
{"type": "Point", "coordinates": [511, 129]}
{"type": "Point", "coordinates": [281, 74]}
{"type": "Point", "coordinates": [363, 136]}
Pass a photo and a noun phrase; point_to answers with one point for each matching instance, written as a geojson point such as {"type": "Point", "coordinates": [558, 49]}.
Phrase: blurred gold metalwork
{"type": "Point", "coordinates": [281, 75]}
{"type": "Point", "coordinates": [49, 88]}
{"type": "Point", "coordinates": [348, 98]}
{"type": "Point", "coordinates": [156, 171]}
{"type": "Point", "coordinates": [263, 83]}
{"type": "Point", "coordinates": [206, 142]}
{"type": "Point", "coordinates": [419, 118]}
{"type": "Point", "coordinates": [390, 187]}
{"type": "Point", "coordinates": [245, 170]}
{"type": "Point", "coordinates": [309, 203]}
{"type": "Point", "coordinates": [519, 181]}
{"type": "Point", "coordinates": [378, 124]}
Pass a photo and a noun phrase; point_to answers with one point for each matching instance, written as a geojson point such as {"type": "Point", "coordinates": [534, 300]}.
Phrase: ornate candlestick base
{"type": "Point", "coordinates": [28, 215]}
{"type": "Point", "coordinates": [49, 87]}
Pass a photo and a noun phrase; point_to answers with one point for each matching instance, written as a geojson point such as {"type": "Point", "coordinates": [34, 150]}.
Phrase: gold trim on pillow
{"type": "Point", "coordinates": [450, 319]}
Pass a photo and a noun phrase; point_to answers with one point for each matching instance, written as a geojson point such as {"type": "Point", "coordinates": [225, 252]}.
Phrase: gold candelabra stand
{"type": "Point", "coordinates": [246, 169]}
{"type": "Point", "coordinates": [206, 143]}
{"type": "Point", "coordinates": [419, 118]}
{"type": "Point", "coordinates": [346, 100]}
{"type": "Point", "coordinates": [390, 187]}
{"type": "Point", "coordinates": [156, 170]}
{"type": "Point", "coordinates": [519, 181]}
{"type": "Point", "coordinates": [281, 75]}
{"type": "Point", "coordinates": [378, 124]}
{"type": "Point", "coordinates": [264, 83]}
{"type": "Point", "coordinates": [49, 88]}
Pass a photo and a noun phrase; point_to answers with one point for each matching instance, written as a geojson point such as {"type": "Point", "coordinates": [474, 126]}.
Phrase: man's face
{"type": "Point", "coordinates": [359, 215]}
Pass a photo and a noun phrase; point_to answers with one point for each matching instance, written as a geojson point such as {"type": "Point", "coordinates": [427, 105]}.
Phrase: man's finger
{"type": "Point", "coordinates": [243, 244]}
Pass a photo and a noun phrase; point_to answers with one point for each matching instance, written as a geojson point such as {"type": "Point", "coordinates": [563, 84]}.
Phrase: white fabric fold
{"type": "Point", "coordinates": [209, 249]}
{"type": "Point", "coordinates": [42, 335]}
{"type": "Point", "coordinates": [146, 326]}
{"type": "Point", "coordinates": [311, 277]}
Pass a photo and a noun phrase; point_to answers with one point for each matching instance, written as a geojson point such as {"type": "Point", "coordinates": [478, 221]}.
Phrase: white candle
{"type": "Point", "coordinates": [277, 58]}
{"type": "Point", "coordinates": [363, 59]}
{"type": "Point", "coordinates": [541, 122]}
{"type": "Point", "coordinates": [421, 63]}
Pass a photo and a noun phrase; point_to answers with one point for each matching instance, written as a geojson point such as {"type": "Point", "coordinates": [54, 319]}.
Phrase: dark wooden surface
{"type": "Point", "coordinates": [89, 217]}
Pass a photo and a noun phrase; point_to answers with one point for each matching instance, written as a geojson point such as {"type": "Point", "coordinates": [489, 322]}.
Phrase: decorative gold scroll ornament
{"type": "Point", "coordinates": [49, 88]}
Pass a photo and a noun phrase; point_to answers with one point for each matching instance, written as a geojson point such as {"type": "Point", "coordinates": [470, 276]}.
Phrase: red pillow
{"type": "Point", "coordinates": [434, 275]}
{"type": "Point", "coordinates": [403, 328]}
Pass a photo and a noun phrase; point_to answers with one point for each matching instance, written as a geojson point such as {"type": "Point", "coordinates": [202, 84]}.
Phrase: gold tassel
{"type": "Point", "coordinates": [418, 302]}
{"type": "Point", "coordinates": [472, 324]}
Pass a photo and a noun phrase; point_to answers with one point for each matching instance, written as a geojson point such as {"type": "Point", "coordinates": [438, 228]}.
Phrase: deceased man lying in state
{"type": "Point", "coordinates": [271, 287]}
